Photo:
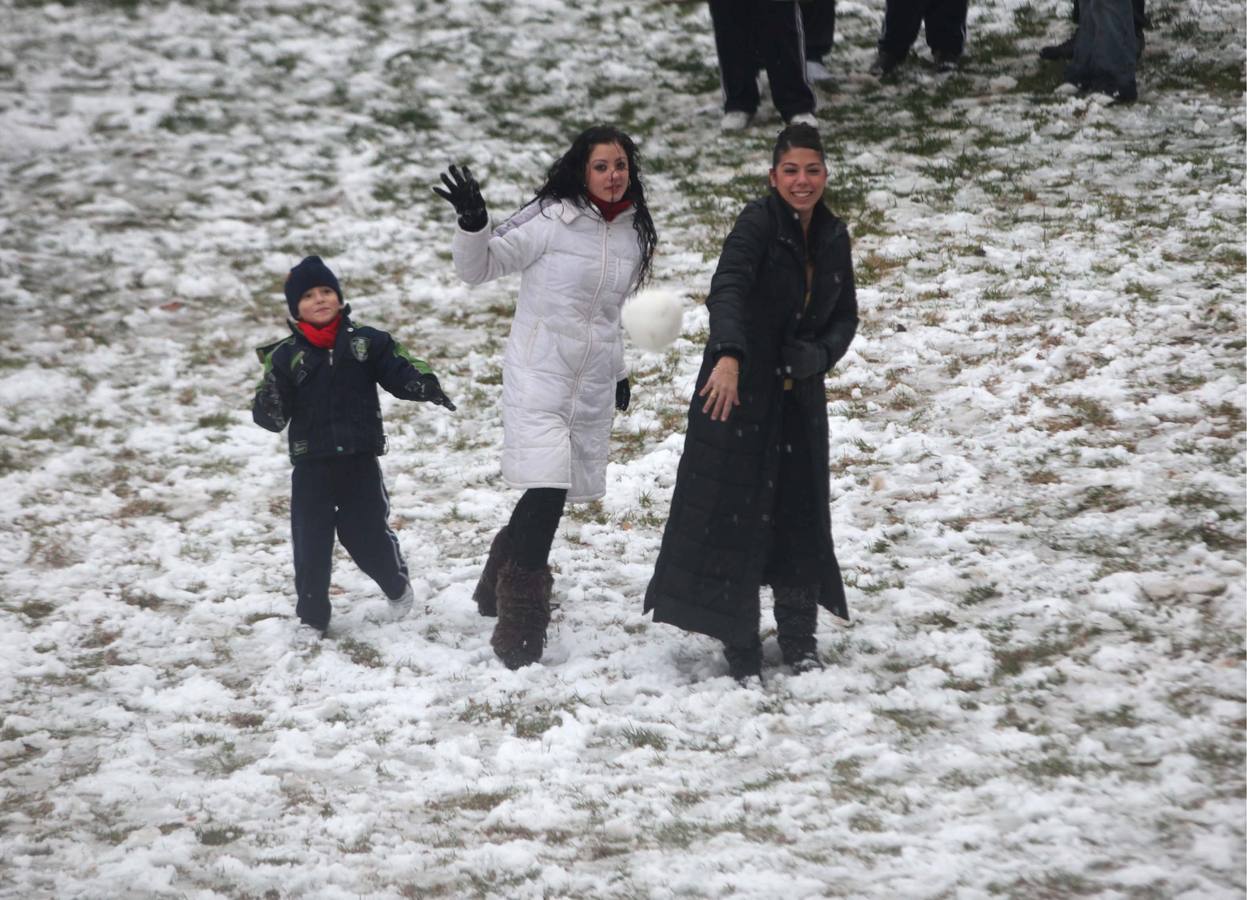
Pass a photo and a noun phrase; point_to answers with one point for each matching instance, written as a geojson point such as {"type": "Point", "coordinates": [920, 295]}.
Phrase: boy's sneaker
{"type": "Point", "coordinates": [804, 119]}
{"type": "Point", "coordinates": [402, 605]}
{"type": "Point", "coordinates": [815, 71]}
{"type": "Point", "coordinates": [945, 61]}
{"type": "Point", "coordinates": [735, 120]}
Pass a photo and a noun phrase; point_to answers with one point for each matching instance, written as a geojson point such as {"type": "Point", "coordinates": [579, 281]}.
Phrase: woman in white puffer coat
{"type": "Point", "coordinates": [582, 245]}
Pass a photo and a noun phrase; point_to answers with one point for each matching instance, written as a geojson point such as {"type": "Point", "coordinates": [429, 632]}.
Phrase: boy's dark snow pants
{"type": "Point", "coordinates": [346, 495]}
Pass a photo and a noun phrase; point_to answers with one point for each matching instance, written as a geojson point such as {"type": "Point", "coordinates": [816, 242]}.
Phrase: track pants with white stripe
{"type": "Point", "coordinates": [346, 495]}
{"type": "Point", "coordinates": [749, 33]}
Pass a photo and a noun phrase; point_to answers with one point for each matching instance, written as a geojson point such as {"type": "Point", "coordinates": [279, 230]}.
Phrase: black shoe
{"type": "Point", "coordinates": [944, 61]}
{"type": "Point", "coordinates": [885, 63]}
{"type": "Point", "coordinates": [1127, 93]}
{"type": "Point", "coordinates": [744, 663]}
{"type": "Point", "coordinates": [1063, 50]}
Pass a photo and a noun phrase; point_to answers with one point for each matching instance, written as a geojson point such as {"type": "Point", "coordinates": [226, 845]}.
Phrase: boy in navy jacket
{"type": "Point", "coordinates": [322, 382]}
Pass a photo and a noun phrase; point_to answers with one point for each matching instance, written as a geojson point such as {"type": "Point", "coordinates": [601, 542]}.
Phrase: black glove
{"type": "Point", "coordinates": [801, 359]}
{"type": "Point", "coordinates": [429, 390]}
{"type": "Point", "coordinates": [464, 194]}
{"type": "Point", "coordinates": [268, 402]}
{"type": "Point", "coordinates": [623, 394]}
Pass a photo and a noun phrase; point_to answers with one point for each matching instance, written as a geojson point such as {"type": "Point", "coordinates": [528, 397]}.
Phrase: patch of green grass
{"type": "Point", "coordinates": [1205, 74]}
{"type": "Point", "coordinates": [218, 836]}
{"type": "Point", "coordinates": [1103, 497]}
{"type": "Point", "coordinates": [1056, 885]}
{"type": "Point", "coordinates": [643, 737]}
{"type": "Point", "coordinates": [216, 420]}
{"type": "Point", "coordinates": [525, 719]}
{"type": "Point", "coordinates": [36, 609]}
{"type": "Point", "coordinates": [1040, 83]}
{"type": "Point", "coordinates": [1201, 498]}
{"type": "Point", "coordinates": [1012, 661]}
{"type": "Point", "coordinates": [866, 821]}
{"type": "Point", "coordinates": [360, 653]}
{"type": "Point", "coordinates": [472, 801]}
{"type": "Point", "coordinates": [12, 462]}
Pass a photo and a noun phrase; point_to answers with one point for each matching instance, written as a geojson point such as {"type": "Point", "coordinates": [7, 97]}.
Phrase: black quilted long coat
{"type": "Point", "coordinates": [715, 546]}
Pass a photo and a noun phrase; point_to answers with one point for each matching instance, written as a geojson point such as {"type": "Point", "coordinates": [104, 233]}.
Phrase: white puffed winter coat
{"type": "Point", "coordinates": [565, 351]}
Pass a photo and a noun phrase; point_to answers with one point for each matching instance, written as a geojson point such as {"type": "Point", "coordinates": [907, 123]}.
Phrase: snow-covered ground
{"type": "Point", "coordinates": [1038, 472]}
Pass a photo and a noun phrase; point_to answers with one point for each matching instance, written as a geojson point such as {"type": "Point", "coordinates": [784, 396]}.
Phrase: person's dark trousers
{"type": "Point", "coordinates": [1105, 48]}
{"type": "Point", "coordinates": [945, 22]}
{"type": "Point", "coordinates": [348, 496]}
{"type": "Point", "coordinates": [818, 20]}
{"type": "Point", "coordinates": [1139, 9]}
{"type": "Point", "coordinates": [748, 32]}
{"type": "Point", "coordinates": [533, 523]}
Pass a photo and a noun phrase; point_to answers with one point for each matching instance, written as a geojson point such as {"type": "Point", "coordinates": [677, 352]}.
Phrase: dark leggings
{"type": "Point", "coordinates": [532, 526]}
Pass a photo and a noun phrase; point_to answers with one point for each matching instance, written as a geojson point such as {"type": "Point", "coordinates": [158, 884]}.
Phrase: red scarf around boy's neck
{"type": "Point", "coordinates": [321, 337]}
{"type": "Point", "coordinates": [610, 208]}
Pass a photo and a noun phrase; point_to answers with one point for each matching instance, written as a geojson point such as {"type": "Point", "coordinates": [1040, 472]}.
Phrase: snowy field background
{"type": "Point", "coordinates": [1037, 479]}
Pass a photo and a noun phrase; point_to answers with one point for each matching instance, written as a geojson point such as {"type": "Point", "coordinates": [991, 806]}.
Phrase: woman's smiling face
{"type": "Point", "coordinates": [800, 177]}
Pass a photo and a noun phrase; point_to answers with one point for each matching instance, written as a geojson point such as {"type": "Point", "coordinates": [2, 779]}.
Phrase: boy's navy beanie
{"type": "Point", "coordinates": [311, 272]}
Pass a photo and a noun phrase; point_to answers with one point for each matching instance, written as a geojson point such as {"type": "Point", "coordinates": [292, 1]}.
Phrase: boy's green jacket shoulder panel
{"type": "Point", "coordinates": [418, 364]}
{"type": "Point", "coordinates": [265, 352]}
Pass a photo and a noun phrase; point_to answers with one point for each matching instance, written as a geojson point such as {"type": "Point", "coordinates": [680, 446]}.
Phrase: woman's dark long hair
{"type": "Point", "coordinates": [566, 181]}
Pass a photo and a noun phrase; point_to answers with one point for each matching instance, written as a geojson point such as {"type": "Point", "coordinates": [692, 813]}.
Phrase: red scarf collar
{"type": "Point", "coordinates": [610, 208]}
{"type": "Point", "coordinates": [321, 337]}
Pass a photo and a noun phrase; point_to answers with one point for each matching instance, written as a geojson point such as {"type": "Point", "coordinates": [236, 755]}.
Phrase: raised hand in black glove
{"type": "Point", "coordinates": [464, 194]}
{"type": "Point", "coordinates": [801, 359]}
{"type": "Point", "coordinates": [429, 390]}
{"type": "Point", "coordinates": [623, 394]}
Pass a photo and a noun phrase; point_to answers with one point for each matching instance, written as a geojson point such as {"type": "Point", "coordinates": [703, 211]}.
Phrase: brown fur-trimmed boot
{"type": "Point", "coordinates": [486, 593]}
{"type": "Point", "coordinates": [796, 616]}
{"type": "Point", "coordinates": [523, 614]}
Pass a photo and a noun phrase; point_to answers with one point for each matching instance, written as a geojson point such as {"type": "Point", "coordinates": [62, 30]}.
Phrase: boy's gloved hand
{"type": "Point", "coordinates": [429, 390]}
{"type": "Point", "coordinates": [268, 401]}
{"type": "Point", "coordinates": [623, 394]}
{"type": "Point", "coordinates": [801, 359]}
{"type": "Point", "coordinates": [464, 194]}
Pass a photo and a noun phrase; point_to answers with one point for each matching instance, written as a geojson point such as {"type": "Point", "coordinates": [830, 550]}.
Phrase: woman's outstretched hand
{"type": "Point", "coordinates": [464, 194]}
{"type": "Point", "coordinates": [720, 389]}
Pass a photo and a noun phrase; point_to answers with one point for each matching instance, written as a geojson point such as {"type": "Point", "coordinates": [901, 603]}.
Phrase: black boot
{"type": "Point", "coordinates": [523, 614]}
{"type": "Point", "coordinates": [885, 63]}
{"type": "Point", "coordinates": [486, 595]}
{"type": "Point", "coordinates": [796, 616]}
{"type": "Point", "coordinates": [744, 662]}
{"type": "Point", "coordinates": [1063, 50]}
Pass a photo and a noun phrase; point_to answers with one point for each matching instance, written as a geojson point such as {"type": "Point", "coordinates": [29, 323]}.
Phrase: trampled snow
{"type": "Point", "coordinates": [1037, 471]}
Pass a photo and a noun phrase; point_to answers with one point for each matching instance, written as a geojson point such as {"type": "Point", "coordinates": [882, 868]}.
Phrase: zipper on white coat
{"type": "Point", "coordinates": [593, 306]}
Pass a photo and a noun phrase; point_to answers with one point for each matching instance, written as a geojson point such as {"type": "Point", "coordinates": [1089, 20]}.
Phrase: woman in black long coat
{"type": "Point", "coordinates": [752, 496]}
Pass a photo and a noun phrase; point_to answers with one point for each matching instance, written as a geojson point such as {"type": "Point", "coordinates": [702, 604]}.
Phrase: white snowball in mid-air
{"type": "Point", "coordinates": [652, 318]}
